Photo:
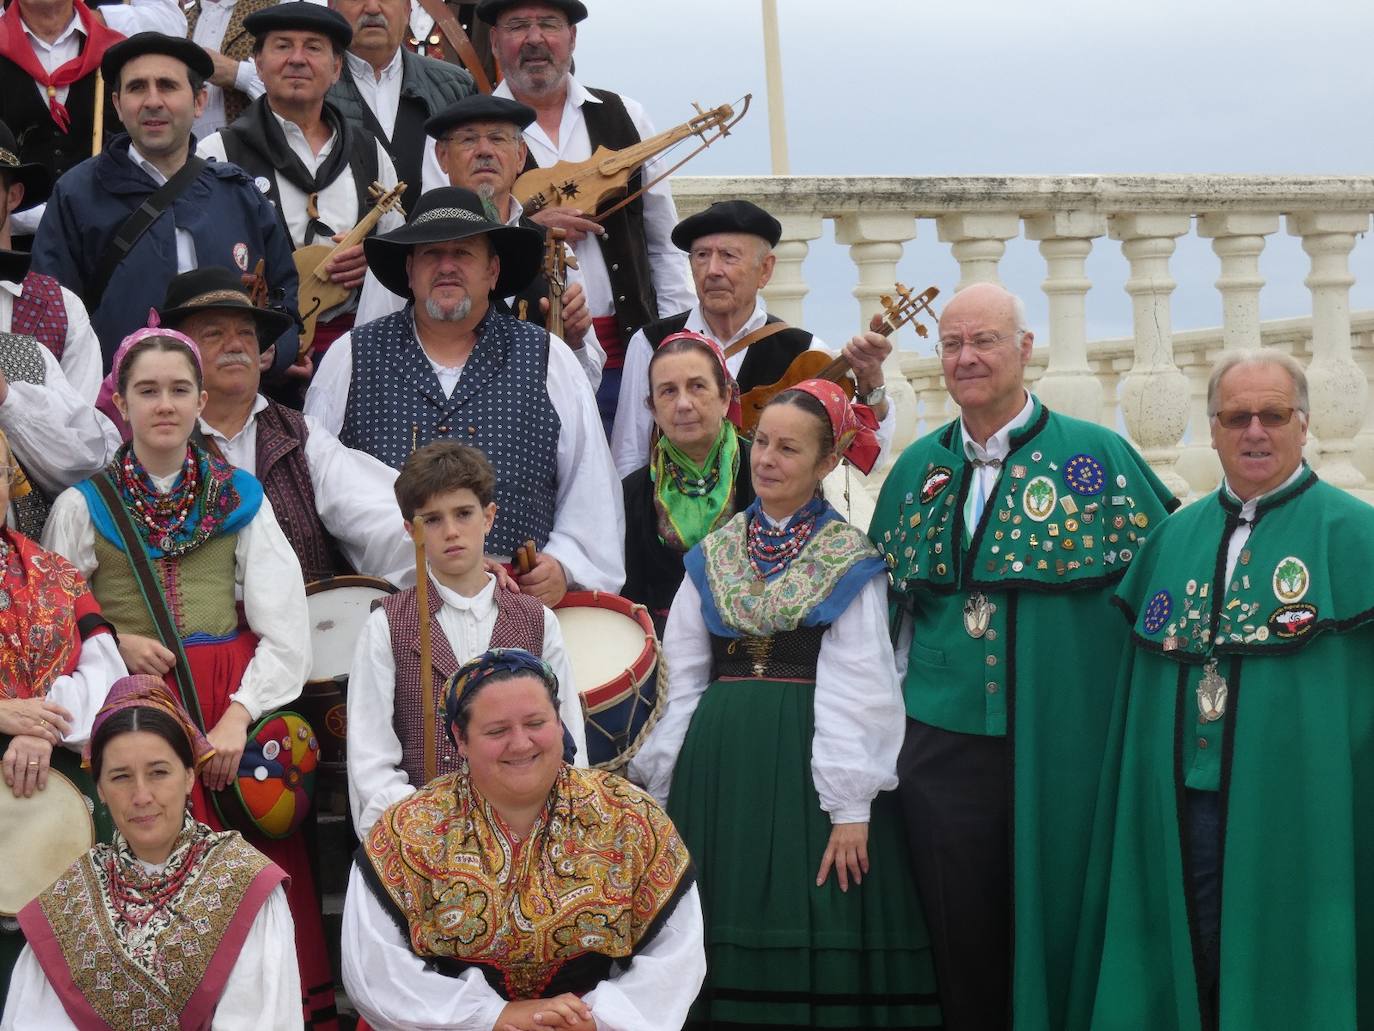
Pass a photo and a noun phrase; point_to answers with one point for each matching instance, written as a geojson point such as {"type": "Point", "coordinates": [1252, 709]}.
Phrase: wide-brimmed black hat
{"type": "Point", "coordinates": [14, 265]}
{"type": "Point", "coordinates": [140, 43]}
{"type": "Point", "coordinates": [490, 10]}
{"type": "Point", "coordinates": [301, 16]}
{"type": "Point", "coordinates": [216, 288]}
{"type": "Point", "coordinates": [36, 178]}
{"type": "Point", "coordinates": [453, 213]}
{"type": "Point", "coordinates": [727, 216]}
{"type": "Point", "coordinates": [480, 107]}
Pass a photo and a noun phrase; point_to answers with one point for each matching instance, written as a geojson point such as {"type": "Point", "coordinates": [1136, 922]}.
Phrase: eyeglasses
{"type": "Point", "coordinates": [8, 474]}
{"type": "Point", "coordinates": [548, 25]}
{"type": "Point", "coordinates": [1270, 418]}
{"type": "Point", "coordinates": [470, 139]}
{"type": "Point", "coordinates": [981, 343]}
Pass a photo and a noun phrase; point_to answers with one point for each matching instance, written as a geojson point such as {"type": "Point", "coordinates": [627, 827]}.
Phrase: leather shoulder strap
{"type": "Point", "coordinates": [765, 331]}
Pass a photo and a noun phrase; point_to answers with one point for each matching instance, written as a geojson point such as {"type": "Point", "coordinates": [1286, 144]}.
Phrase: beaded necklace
{"type": "Point", "coordinates": [772, 548]}
{"type": "Point", "coordinates": [161, 514]}
{"type": "Point", "coordinates": [138, 901]}
{"type": "Point", "coordinates": [692, 487]}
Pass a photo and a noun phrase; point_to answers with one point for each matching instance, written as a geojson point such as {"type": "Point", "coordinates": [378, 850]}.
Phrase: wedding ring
{"type": "Point", "coordinates": [33, 762]}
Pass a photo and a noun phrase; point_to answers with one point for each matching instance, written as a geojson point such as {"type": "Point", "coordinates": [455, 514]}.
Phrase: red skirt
{"type": "Point", "coordinates": [217, 670]}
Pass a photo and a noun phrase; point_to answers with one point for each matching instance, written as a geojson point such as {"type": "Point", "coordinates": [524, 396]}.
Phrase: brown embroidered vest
{"type": "Point", "coordinates": [519, 624]}
{"type": "Point", "coordinates": [237, 43]}
{"type": "Point", "coordinates": [285, 479]}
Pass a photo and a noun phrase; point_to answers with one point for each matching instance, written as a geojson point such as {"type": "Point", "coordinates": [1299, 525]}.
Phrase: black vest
{"type": "Point", "coordinates": [524, 303]}
{"type": "Point", "coordinates": [243, 148]}
{"type": "Point", "coordinates": [624, 246]}
{"type": "Point", "coordinates": [39, 138]}
{"type": "Point", "coordinates": [764, 362]}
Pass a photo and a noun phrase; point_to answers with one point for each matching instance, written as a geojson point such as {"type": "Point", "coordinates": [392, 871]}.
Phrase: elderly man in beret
{"type": "Point", "coordinates": [103, 235]}
{"type": "Point", "coordinates": [632, 272]}
{"type": "Point", "coordinates": [478, 146]}
{"type": "Point", "coordinates": [449, 365]}
{"type": "Point", "coordinates": [1238, 837]}
{"type": "Point", "coordinates": [314, 164]}
{"type": "Point", "coordinates": [730, 249]}
{"type": "Point", "coordinates": [334, 504]}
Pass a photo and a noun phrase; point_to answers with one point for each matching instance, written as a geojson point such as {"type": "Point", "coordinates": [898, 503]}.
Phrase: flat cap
{"type": "Point", "coordinates": [301, 16]}
{"type": "Point", "coordinates": [480, 107]}
{"type": "Point", "coordinates": [140, 43]}
{"type": "Point", "coordinates": [727, 216]}
{"type": "Point", "coordinates": [490, 10]}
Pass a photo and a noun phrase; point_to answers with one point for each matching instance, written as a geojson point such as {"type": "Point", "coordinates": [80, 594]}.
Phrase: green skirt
{"type": "Point", "coordinates": [67, 762]}
{"type": "Point", "coordinates": [782, 952]}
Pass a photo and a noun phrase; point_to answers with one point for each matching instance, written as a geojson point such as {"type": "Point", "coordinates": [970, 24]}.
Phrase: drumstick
{"type": "Point", "coordinates": [426, 671]}
{"type": "Point", "coordinates": [98, 122]}
{"type": "Point", "coordinates": [525, 557]}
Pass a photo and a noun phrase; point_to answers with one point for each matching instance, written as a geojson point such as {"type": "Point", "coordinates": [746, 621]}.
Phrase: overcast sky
{"type": "Point", "coordinates": [996, 86]}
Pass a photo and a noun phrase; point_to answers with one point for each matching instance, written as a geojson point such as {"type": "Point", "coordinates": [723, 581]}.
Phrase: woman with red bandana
{"type": "Point", "coordinates": [780, 736]}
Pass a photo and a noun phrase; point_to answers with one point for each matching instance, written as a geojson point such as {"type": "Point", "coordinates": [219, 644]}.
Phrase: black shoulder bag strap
{"type": "Point", "coordinates": [139, 223]}
{"type": "Point", "coordinates": [151, 590]}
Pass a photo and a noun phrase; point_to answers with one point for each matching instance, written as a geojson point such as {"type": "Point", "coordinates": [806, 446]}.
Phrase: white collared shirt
{"type": "Point", "coordinates": [81, 358]}
{"type": "Point", "coordinates": [1242, 532]}
{"type": "Point", "coordinates": [382, 95]}
{"type": "Point", "coordinates": [186, 244]}
{"type": "Point", "coordinates": [996, 449]}
{"type": "Point", "coordinates": [667, 264]}
{"type": "Point", "coordinates": [210, 29]}
{"type": "Point", "coordinates": [52, 56]}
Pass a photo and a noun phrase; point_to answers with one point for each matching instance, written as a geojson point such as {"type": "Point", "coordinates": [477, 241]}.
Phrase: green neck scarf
{"type": "Point", "coordinates": [692, 501]}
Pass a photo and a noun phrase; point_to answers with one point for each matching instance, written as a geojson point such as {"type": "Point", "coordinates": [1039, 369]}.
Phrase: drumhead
{"type": "Point", "coordinates": [338, 608]}
{"type": "Point", "coordinates": [610, 650]}
{"type": "Point", "coordinates": [39, 838]}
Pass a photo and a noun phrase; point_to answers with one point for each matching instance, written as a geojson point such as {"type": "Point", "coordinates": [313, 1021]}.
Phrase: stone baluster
{"type": "Point", "coordinates": [1337, 389]}
{"type": "Point", "coordinates": [978, 242]}
{"type": "Point", "coordinates": [1066, 240]}
{"type": "Point", "coordinates": [1238, 240]}
{"type": "Point", "coordinates": [1154, 394]}
{"type": "Point", "coordinates": [787, 289]}
{"type": "Point", "coordinates": [875, 246]}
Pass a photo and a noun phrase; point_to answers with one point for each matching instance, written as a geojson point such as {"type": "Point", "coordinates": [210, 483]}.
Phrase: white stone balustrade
{"type": "Point", "coordinates": [1151, 385]}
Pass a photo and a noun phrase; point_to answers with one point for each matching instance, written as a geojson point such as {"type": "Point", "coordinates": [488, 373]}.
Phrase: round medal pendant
{"type": "Point", "coordinates": [165, 543]}
{"type": "Point", "coordinates": [756, 588]}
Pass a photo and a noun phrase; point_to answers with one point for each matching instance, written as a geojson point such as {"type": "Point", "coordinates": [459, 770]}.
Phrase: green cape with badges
{"type": "Point", "coordinates": [1014, 634]}
{"type": "Point", "coordinates": [1289, 742]}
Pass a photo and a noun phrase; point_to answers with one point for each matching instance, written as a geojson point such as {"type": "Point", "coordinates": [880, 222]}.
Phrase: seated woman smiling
{"type": "Point", "coordinates": [171, 924]}
{"type": "Point", "coordinates": [520, 892]}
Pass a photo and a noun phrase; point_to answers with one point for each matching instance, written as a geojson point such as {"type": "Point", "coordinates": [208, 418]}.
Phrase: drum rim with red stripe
{"type": "Point", "coordinates": [613, 691]}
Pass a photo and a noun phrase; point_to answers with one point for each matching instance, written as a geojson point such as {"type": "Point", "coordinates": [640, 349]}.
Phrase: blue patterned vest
{"type": "Point", "coordinates": [500, 405]}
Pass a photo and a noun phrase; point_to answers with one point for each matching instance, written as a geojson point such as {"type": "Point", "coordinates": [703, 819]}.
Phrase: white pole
{"type": "Point", "coordinates": [772, 60]}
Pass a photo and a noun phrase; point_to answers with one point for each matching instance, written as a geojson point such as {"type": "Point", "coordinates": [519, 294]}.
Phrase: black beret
{"type": "Point", "coordinates": [480, 107]}
{"type": "Point", "coordinates": [140, 43]}
{"type": "Point", "coordinates": [490, 10]}
{"type": "Point", "coordinates": [301, 16]}
{"type": "Point", "coordinates": [727, 216]}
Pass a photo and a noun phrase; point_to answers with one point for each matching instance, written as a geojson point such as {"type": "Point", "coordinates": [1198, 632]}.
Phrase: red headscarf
{"type": "Point", "coordinates": [854, 425]}
{"type": "Point", "coordinates": [732, 412]}
{"type": "Point", "coordinates": [15, 45]}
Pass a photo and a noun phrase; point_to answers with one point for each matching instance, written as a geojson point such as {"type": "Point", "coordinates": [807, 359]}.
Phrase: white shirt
{"type": "Point", "coordinates": [588, 536]}
{"type": "Point", "coordinates": [186, 243]}
{"type": "Point", "coordinates": [375, 776]}
{"type": "Point", "coordinates": [54, 432]}
{"type": "Point", "coordinates": [382, 95]}
{"type": "Point", "coordinates": [377, 300]}
{"type": "Point", "coordinates": [996, 449]}
{"type": "Point", "coordinates": [667, 264]}
{"type": "Point", "coordinates": [210, 29]}
{"type": "Point", "coordinates": [354, 496]}
{"type": "Point", "coordinates": [859, 712]}
{"type": "Point", "coordinates": [82, 692]}
{"type": "Point", "coordinates": [263, 988]}
{"type": "Point", "coordinates": [81, 357]}
{"type": "Point", "coordinates": [394, 990]}
{"type": "Point", "coordinates": [1242, 532]}
{"type": "Point", "coordinates": [265, 568]}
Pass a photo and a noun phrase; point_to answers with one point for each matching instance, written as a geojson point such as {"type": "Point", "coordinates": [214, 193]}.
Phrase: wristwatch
{"type": "Point", "coordinates": [876, 396]}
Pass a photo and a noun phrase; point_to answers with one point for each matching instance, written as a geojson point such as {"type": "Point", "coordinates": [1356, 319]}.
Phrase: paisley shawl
{"type": "Point", "coordinates": [601, 870]}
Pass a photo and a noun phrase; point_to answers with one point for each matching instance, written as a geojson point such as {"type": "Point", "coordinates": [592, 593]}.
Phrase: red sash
{"type": "Point", "coordinates": [608, 332]}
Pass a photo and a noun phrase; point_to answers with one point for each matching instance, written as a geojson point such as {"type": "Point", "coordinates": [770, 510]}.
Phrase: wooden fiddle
{"type": "Point", "coordinates": [557, 261]}
{"type": "Point", "coordinates": [605, 175]}
{"type": "Point", "coordinates": [319, 293]}
{"type": "Point", "coordinates": [897, 312]}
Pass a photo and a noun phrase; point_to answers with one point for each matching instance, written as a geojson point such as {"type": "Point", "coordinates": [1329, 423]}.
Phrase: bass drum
{"type": "Point", "coordinates": [617, 662]}
{"type": "Point", "coordinates": [339, 606]}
